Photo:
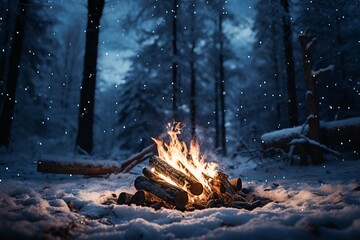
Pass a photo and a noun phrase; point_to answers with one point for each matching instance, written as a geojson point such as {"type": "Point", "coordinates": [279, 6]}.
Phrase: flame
{"type": "Point", "coordinates": [190, 161]}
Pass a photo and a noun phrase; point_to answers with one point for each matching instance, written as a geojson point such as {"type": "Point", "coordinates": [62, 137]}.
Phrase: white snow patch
{"type": "Point", "coordinates": [315, 201]}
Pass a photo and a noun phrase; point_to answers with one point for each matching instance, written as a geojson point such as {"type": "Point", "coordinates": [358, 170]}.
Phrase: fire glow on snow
{"type": "Point", "coordinates": [321, 201]}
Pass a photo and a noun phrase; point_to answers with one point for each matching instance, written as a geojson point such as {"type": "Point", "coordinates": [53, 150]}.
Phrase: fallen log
{"type": "Point", "coordinates": [92, 167]}
{"type": "Point", "coordinates": [332, 133]}
{"type": "Point", "coordinates": [165, 191]}
{"type": "Point", "coordinates": [193, 186]}
{"type": "Point", "coordinates": [84, 167]}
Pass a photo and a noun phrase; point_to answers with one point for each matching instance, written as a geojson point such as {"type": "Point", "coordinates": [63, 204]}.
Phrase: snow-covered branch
{"type": "Point", "coordinates": [317, 72]}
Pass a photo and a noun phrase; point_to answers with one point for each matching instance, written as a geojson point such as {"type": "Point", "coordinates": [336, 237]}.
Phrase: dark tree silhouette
{"type": "Point", "coordinates": [84, 138]}
{"type": "Point", "coordinates": [4, 44]}
{"type": "Point", "coordinates": [222, 87]}
{"type": "Point", "coordinates": [7, 108]}
{"type": "Point", "coordinates": [193, 75]}
{"type": "Point", "coordinates": [175, 64]}
{"type": "Point", "coordinates": [289, 60]}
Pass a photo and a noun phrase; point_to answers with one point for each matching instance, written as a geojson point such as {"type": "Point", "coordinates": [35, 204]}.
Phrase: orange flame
{"type": "Point", "coordinates": [189, 161]}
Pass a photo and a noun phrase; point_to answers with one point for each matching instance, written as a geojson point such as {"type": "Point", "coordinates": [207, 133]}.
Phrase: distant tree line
{"type": "Point", "coordinates": [184, 68]}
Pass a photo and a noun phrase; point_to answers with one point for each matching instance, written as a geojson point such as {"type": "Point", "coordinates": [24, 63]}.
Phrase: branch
{"type": "Point", "coordinates": [304, 139]}
{"type": "Point", "coordinates": [328, 68]}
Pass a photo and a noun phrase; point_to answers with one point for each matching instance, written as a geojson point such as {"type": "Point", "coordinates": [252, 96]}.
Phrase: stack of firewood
{"type": "Point", "coordinates": [153, 191]}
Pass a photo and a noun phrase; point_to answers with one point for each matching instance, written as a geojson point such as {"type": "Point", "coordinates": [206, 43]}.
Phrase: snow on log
{"type": "Point", "coordinates": [341, 131]}
{"type": "Point", "coordinates": [331, 133]}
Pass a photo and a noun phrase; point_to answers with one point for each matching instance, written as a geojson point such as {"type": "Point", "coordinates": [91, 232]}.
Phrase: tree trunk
{"type": "Point", "coordinates": [277, 78]}
{"type": "Point", "coordinates": [216, 111]}
{"type": "Point", "coordinates": [193, 77]}
{"type": "Point", "coordinates": [289, 59]}
{"type": "Point", "coordinates": [344, 91]}
{"type": "Point", "coordinates": [7, 110]}
{"type": "Point", "coordinates": [222, 87]}
{"type": "Point", "coordinates": [86, 112]}
{"type": "Point", "coordinates": [314, 125]}
{"type": "Point", "coordinates": [174, 64]}
{"type": "Point", "coordinates": [4, 54]}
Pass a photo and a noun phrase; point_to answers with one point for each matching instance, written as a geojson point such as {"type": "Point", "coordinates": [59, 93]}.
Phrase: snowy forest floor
{"type": "Point", "coordinates": [308, 202]}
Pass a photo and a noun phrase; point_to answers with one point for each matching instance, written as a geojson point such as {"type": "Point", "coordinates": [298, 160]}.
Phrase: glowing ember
{"type": "Point", "coordinates": [188, 161]}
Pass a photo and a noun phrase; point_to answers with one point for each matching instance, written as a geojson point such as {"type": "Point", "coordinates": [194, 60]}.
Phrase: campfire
{"type": "Point", "coordinates": [180, 177]}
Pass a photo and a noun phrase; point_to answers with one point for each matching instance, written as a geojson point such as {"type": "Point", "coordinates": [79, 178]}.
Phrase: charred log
{"type": "Point", "coordinates": [145, 198]}
{"type": "Point", "coordinates": [124, 198]}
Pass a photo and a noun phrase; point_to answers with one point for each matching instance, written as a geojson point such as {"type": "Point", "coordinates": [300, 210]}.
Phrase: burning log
{"type": "Point", "coordinates": [223, 178]}
{"type": "Point", "coordinates": [165, 191]}
{"type": "Point", "coordinates": [124, 198]}
{"type": "Point", "coordinates": [217, 186]}
{"type": "Point", "coordinates": [180, 178]}
{"type": "Point", "coordinates": [236, 183]}
{"type": "Point", "coordinates": [150, 175]}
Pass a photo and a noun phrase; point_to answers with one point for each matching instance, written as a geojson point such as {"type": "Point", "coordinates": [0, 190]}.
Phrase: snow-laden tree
{"type": "Point", "coordinates": [269, 64]}
{"type": "Point", "coordinates": [147, 95]}
{"type": "Point", "coordinates": [150, 93]}
{"type": "Point", "coordinates": [335, 24]}
{"type": "Point", "coordinates": [31, 88]}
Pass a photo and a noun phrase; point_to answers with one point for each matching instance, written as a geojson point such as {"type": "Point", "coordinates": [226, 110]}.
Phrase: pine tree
{"type": "Point", "coordinates": [268, 61]}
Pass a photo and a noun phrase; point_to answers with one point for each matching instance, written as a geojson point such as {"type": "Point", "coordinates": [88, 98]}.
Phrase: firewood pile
{"type": "Point", "coordinates": [180, 177]}
{"type": "Point", "coordinates": [184, 192]}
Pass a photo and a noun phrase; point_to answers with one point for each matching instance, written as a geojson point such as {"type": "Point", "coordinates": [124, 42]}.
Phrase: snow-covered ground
{"type": "Point", "coordinates": [308, 202]}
